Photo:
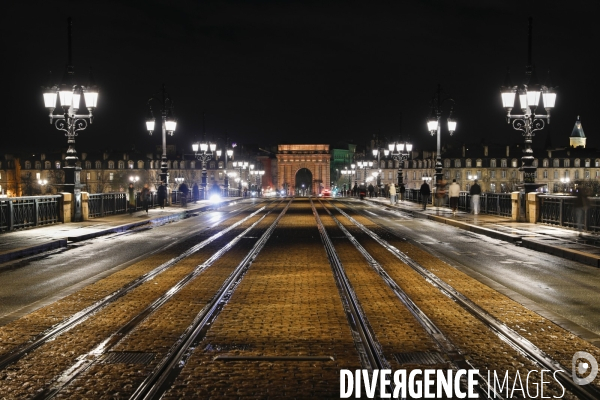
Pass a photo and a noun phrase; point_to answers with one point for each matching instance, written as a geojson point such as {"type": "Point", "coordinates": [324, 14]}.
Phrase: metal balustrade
{"type": "Point", "coordinates": [561, 211]}
{"type": "Point", "coordinates": [101, 204]}
{"type": "Point", "coordinates": [28, 212]}
{"type": "Point", "coordinates": [489, 203]}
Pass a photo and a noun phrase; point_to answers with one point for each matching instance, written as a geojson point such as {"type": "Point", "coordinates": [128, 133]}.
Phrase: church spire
{"type": "Point", "coordinates": [577, 138]}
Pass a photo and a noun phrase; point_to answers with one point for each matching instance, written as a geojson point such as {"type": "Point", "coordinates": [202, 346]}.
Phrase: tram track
{"type": "Point", "coordinates": [184, 327]}
{"type": "Point", "coordinates": [506, 334]}
{"type": "Point", "coordinates": [86, 361]}
{"type": "Point", "coordinates": [452, 353]}
{"type": "Point", "coordinates": [83, 361]}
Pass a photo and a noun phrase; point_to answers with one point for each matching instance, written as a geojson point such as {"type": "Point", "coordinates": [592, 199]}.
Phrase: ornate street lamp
{"type": "Point", "coordinates": [400, 152]}
{"type": "Point", "coordinates": [168, 124]}
{"type": "Point", "coordinates": [349, 173]}
{"type": "Point", "coordinates": [205, 154]}
{"type": "Point", "coordinates": [240, 165]}
{"type": "Point", "coordinates": [377, 156]}
{"type": "Point", "coordinates": [134, 180]}
{"type": "Point", "coordinates": [364, 165]}
{"type": "Point", "coordinates": [434, 126]}
{"type": "Point", "coordinates": [228, 153]}
{"type": "Point", "coordinates": [529, 122]}
{"type": "Point", "coordinates": [70, 121]}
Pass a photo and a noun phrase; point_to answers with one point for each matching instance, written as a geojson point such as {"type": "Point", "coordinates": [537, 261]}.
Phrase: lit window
{"type": "Point", "coordinates": [111, 176]}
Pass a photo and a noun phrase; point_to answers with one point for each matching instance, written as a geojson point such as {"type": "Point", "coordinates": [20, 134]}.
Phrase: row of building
{"type": "Point", "coordinates": [318, 166]}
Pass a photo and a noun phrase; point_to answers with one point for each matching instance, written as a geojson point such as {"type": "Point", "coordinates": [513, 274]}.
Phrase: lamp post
{"type": "Point", "coordinates": [205, 154]}
{"type": "Point", "coordinates": [228, 153]}
{"type": "Point", "coordinates": [377, 157]}
{"type": "Point", "coordinates": [240, 165]}
{"type": "Point", "coordinates": [364, 165]}
{"type": "Point", "coordinates": [565, 184]}
{"type": "Point", "coordinates": [168, 124]}
{"type": "Point", "coordinates": [42, 183]}
{"type": "Point", "coordinates": [529, 122]}
{"type": "Point", "coordinates": [400, 152]}
{"type": "Point", "coordinates": [70, 121]}
{"type": "Point", "coordinates": [433, 125]}
{"type": "Point", "coordinates": [134, 179]}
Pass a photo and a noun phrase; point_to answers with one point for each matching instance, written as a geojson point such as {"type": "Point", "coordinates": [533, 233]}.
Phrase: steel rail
{"type": "Point", "coordinates": [81, 316]}
{"type": "Point", "coordinates": [87, 360]}
{"type": "Point", "coordinates": [435, 333]}
{"type": "Point", "coordinates": [369, 348]}
{"type": "Point", "coordinates": [159, 381]}
{"type": "Point", "coordinates": [505, 333]}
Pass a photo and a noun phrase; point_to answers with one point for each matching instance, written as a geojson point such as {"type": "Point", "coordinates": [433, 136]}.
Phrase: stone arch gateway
{"type": "Point", "coordinates": [291, 158]}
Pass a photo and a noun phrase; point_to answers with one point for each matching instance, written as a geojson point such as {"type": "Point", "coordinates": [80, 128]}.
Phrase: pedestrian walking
{"type": "Point", "coordinates": [475, 192]}
{"type": "Point", "coordinates": [131, 194]}
{"type": "Point", "coordinates": [425, 193]}
{"type": "Point", "coordinates": [162, 195]}
{"type": "Point", "coordinates": [392, 191]}
{"type": "Point", "coordinates": [582, 203]}
{"type": "Point", "coordinates": [453, 193]}
{"type": "Point", "coordinates": [371, 190]}
{"type": "Point", "coordinates": [184, 190]}
{"type": "Point", "coordinates": [146, 197]}
{"type": "Point", "coordinates": [402, 192]}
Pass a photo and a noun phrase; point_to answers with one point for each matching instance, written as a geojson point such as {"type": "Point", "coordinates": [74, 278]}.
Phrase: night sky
{"type": "Point", "coordinates": [271, 72]}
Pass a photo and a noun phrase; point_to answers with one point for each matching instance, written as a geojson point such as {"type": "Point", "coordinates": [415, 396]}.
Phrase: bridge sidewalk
{"type": "Point", "coordinates": [27, 242]}
{"type": "Point", "coordinates": [562, 242]}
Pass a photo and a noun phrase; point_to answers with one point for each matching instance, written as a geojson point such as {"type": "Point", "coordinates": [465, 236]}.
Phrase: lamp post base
{"type": "Point", "coordinates": [73, 185]}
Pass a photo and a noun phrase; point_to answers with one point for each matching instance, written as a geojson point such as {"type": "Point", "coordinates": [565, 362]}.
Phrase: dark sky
{"type": "Point", "coordinates": [269, 72]}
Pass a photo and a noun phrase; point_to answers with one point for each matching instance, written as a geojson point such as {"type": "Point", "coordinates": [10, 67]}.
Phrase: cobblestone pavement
{"type": "Point", "coordinates": [473, 339]}
{"type": "Point", "coordinates": [287, 305]}
{"type": "Point", "coordinates": [40, 367]}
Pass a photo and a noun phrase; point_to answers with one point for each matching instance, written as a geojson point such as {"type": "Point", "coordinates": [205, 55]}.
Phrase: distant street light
{"type": "Point", "coordinates": [400, 152]}
{"type": "Point", "coordinates": [434, 126]}
{"type": "Point", "coordinates": [240, 165]}
{"type": "Point", "coordinates": [134, 180]}
{"type": "Point", "coordinates": [565, 184]}
{"type": "Point", "coordinates": [228, 153]}
{"type": "Point", "coordinates": [364, 165]}
{"type": "Point", "coordinates": [168, 124]}
{"type": "Point", "coordinates": [204, 155]}
{"type": "Point", "coordinates": [70, 122]}
{"type": "Point", "coordinates": [528, 122]}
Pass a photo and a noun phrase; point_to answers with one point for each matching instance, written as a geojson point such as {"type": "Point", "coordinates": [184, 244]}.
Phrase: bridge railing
{"type": "Point", "coordinates": [29, 211]}
{"type": "Point", "coordinates": [562, 211]}
{"type": "Point", "coordinates": [489, 203]}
